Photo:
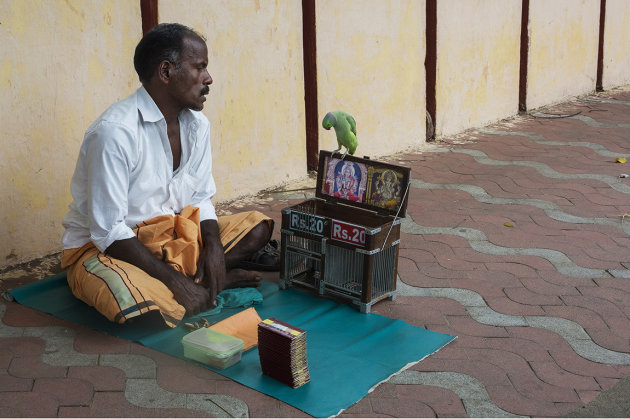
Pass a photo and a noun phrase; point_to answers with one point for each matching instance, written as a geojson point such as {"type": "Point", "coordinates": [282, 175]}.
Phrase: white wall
{"type": "Point", "coordinates": [616, 71]}
{"type": "Point", "coordinates": [563, 38]}
{"type": "Point", "coordinates": [477, 74]}
{"type": "Point", "coordinates": [370, 63]}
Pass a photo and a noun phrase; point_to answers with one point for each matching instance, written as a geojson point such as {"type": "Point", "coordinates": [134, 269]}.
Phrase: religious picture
{"type": "Point", "coordinates": [345, 180]}
{"type": "Point", "coordinates": [385, 188]}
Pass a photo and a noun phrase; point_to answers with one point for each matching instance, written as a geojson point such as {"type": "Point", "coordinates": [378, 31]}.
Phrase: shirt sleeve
{"type": "Point", "coordinates": [206, 188]}
{"type": "Point", "coordinates": [108, 163]}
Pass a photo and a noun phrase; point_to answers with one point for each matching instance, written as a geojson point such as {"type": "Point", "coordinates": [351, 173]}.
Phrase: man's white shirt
{"type": "Point", "coordinates": [124, 173]}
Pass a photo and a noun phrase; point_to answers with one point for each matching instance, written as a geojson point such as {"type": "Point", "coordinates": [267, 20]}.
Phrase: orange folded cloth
{"type": "Point", "coordinates": [242, 325]}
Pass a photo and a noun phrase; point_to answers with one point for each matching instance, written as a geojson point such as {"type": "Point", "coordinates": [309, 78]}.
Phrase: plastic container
{"type": "Point", "coordinates": [212, 348]}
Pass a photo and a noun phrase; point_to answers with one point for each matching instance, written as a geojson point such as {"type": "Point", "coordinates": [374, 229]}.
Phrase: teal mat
{"type": "Point", "coordinates": [348, 352]}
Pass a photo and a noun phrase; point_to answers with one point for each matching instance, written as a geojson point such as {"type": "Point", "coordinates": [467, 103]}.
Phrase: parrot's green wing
{"type": "Point", "coordinates": [353, 125]}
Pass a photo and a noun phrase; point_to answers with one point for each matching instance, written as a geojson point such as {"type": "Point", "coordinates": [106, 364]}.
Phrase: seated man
{"type": "Point", "coordinates": [142, 233]}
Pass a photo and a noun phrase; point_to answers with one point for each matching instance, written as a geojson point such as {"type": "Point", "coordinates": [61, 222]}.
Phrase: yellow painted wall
{"type": "Point", "coordinates": [256, 103]}
{"type": "Point", "coordinates": [370, 63]}
{"type": "Point", "coordinates": [477, 72]}
{"type": "Point", "coordinates": [563, 38]}
{"type": "Point", "coordinates": [616, 44]}
{"type": "Point", "coordinates": [62, 63]}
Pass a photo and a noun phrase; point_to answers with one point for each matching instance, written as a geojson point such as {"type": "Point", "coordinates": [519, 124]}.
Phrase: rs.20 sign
{"type": "Point", "coordinates": [307, 223]}
{"type": "Point", "coordinates": [349, 233]}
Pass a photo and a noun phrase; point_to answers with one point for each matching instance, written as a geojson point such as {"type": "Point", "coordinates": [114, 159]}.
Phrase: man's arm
{"type": "Point", "coordinates": [211, 270]}
{"type": "Point", "coordinates": [194, 298]}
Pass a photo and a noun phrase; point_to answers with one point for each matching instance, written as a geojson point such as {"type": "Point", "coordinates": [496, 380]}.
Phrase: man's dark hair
{"type": "Point", "coordinates": [164, 42]}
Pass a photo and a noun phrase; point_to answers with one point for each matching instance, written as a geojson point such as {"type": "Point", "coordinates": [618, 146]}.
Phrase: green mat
{"type": "Point", "coordinates": [348, 352]}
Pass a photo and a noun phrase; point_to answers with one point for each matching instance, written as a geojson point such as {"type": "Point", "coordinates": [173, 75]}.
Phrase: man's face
{"type": "Point", "coordinates": [190, 82]}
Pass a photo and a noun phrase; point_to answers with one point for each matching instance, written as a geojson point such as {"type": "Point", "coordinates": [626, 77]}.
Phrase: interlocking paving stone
{"type": "Point", "coordinates": [549, 372]}
{"type": "Point", "coordinates": [145, 392]}
{"type": "Point", "coordinates": [24, 346]}
{"type": "Point", "coordinates": [594, 123]}
{"type": "Point", "coordinates": [58, 350]}
{"type": "Point", "coordinates": [11, 383]}
{"type": "Point", "coordinates": [94, 342]}
{"type": "Point", "coordinates": [67, 391]}
{"type": "Point", "coordinates": [551, 209]}
{"type": "Point", "coordinates": [73, 411]}
{"type": "Point", "coordinates": [546, 170]}
{"type": "Point", "coordinates": [480, 243]}
{"type": "Point", "coordinates": [5, 357]}
{"type": "Point", "coordinates": [114, 404]}
{"type": "Point", "coordinates": [609, 339]}
{"type": "Point", "coordinates": [189, 379]}
{"type": "Point", "coordinates": [103, 378]}
{"type": "Point", "coordinates": [32, 366]}
{"type": "Point", "coordinates": [221, 404]}
{"type": "Point", "coordinates": [28, 404]}
{"type": "Point", "coordinates": [470, 390]}
{"type": "Point", "coordinates": [134, 366]}
{"type": "Point", "coordinates": [534, 136]}
{"type": "Point", "coordinates": [444, 402]}
{"type": "Point", "coordinates": [478, 310]}
{"type": "Point", "coordinates": [402, 408]}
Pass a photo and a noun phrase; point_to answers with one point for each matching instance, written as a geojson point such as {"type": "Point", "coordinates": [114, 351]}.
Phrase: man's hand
{"type": "Point", "coordinates": [194, 298]}
{"type": "Point", "coordinates": [211, 270]}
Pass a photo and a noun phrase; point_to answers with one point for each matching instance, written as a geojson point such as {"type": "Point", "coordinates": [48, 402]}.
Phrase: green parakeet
{"type": "Point", "coordinates": [345, 128]}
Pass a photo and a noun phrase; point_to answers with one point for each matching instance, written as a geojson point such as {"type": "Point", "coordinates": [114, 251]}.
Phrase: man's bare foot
{"type": "Point", "coordinates": [240, 278]}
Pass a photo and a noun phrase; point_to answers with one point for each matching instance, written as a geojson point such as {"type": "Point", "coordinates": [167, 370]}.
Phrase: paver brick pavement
{"type": "Point", "coordinates": [541, 306]}
{"type": "Point", "coordinates": [102, 378]}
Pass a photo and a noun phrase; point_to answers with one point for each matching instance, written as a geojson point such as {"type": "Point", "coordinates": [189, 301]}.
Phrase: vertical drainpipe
{"type": "Point", "coordinates": [430, 66]}
{"type": "Point", "coordinates": [522, 86]}
{"type": "Point", "coordinates": [310, 84]}
{"type": "Point", "coordinates": [149, 13]}
{"type": "Point", "coordinates": [600, 48]}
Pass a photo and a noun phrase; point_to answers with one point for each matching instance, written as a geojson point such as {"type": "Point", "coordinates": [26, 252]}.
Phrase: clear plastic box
{"type": "Point", "coordinates": [212, 348]}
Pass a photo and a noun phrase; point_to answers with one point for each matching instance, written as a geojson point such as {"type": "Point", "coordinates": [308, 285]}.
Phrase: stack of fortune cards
{"type": "Point", "coordinates": [282, 351]}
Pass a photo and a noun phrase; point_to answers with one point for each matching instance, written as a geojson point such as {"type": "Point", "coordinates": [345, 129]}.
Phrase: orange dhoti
{"type": "Point", "coordinates": [120, 290]}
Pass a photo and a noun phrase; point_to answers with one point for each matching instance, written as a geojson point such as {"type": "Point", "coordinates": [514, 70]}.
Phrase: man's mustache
{"type": "Point", "coordinates": [205, 90]}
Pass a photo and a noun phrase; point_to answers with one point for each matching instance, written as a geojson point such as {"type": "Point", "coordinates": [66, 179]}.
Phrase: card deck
{"type": "Point", "coordinates": [282, 352]}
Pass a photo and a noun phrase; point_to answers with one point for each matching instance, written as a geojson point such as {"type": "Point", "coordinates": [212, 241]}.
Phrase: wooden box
{"type": "Point", "coordinates": [344, 242]}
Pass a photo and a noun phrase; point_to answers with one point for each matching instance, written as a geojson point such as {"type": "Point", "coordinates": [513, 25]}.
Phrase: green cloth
{"type": "Point", "coordinates": [234, 298]}
{"type": "Point", "coordinates": [348, 352]}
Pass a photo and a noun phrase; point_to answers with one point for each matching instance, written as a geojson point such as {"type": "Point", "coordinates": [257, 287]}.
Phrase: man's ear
{"type": "Point", "coordinates": [164, 71]}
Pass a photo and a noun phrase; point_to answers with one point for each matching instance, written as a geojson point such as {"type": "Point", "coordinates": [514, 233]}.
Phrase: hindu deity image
{"type": "Point", "coordinates": [347, 183]}
{"type": "Point", "coordinates": [386, 189]}
{"type": "Point", "coordinates": [345, 180]}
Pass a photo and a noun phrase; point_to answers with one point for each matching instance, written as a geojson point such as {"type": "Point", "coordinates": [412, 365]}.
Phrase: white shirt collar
{"type": "Point", "coordinates": [150, 111]}
{"type": "Point", "coordinates": [147, 107]}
